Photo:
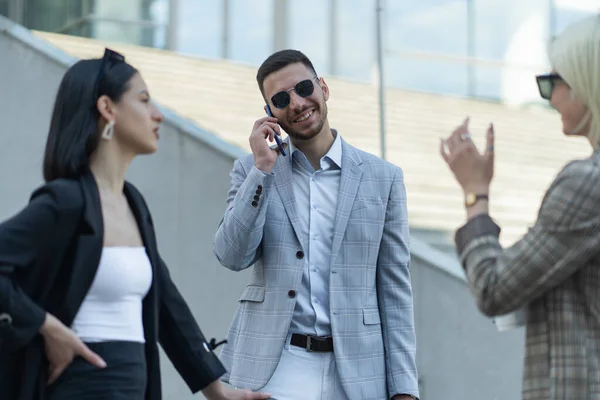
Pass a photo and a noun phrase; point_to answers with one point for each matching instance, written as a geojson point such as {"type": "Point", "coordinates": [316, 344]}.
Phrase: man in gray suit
{"type": "Point", "coordinates": [328, 313]}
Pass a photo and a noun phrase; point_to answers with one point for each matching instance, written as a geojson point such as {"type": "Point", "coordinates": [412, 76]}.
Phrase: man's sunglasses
{"type": "Point", "coordinates": [546, 84]}
{"type": "Point", "coordinates": [110, 58]}
{"type": "Point", "coordinates": [303, 89]}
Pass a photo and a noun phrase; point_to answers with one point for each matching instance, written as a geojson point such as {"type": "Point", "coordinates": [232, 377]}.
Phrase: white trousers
{"type": "Point", "coordinates": [304, 375]}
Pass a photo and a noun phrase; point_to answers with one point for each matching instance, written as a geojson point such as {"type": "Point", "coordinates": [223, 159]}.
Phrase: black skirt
{"type": "Point", "coordinates": [123, 378]}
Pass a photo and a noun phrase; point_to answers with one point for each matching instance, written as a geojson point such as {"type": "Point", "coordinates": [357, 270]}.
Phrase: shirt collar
{"type": "Point", "coordinates": [334, 154]}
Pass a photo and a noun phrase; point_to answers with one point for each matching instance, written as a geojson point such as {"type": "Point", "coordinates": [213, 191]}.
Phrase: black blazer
{"type": "Point", "coordinates": [49, 254]}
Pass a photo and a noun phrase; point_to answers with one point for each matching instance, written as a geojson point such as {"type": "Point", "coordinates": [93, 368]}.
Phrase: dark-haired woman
{"type": "Point", "coordinates": [85, 297]}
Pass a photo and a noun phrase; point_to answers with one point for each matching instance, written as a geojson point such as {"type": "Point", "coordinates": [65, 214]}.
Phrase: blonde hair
{"type": "Point", "coordinates": [575, 56]}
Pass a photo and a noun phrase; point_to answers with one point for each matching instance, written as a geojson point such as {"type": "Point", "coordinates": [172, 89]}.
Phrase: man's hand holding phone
{"type": "Point", "coordinates": [264, 156]}
{"type": "Point", "coordinates": [277, 136]}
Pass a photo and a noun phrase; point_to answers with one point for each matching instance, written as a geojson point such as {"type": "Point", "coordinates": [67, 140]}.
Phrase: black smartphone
{"type": "Point", "coordinates": [275, 135]}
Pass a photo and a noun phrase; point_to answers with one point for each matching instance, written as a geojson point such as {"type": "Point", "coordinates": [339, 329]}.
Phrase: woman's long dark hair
{"type": "Point", "coordinates": [73, 134]}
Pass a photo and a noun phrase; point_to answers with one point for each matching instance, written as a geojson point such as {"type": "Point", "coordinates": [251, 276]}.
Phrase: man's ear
{"type": "Point", "coordinates": [324, 88]}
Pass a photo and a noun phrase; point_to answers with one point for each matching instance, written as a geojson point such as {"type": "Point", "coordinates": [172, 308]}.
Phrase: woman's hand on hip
{"type": "Point", "coordinates": [62, 346]}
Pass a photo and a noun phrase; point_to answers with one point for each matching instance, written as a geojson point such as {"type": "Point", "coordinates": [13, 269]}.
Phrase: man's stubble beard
{"type": "Point", "coordinates": [314, 132]}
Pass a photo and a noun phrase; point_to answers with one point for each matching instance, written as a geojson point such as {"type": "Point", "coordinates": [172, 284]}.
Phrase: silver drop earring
{"type": "Point", "coordinates": [108, 131]}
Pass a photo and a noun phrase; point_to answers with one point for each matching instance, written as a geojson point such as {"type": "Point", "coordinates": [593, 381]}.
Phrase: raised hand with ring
{"type": "Point", "coordinates": [472, 169]}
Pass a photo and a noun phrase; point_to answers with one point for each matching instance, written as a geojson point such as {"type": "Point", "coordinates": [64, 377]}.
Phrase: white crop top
{"type": "Point", "coordinates": [112, 308]}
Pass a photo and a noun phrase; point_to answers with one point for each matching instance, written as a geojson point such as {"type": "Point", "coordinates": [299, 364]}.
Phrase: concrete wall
{"type": "Point", "coordinates": [460, 353]}
{"type": "Point", "coordinates": [461, 356]}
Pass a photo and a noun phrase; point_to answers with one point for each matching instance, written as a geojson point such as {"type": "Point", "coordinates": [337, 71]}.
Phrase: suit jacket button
{"type": "Point", "coordinates": [258, 191]}
{"type": "Point", "coordinates": [254, 203]}
{"type": "Point", "coordinates": [259, 187]}
{"type": "Point", "coordinates": [292, 294]}
{"type": "Point", "coordinates": [256, 197]}
{"type": "Point", "coordinates": [5, 319]}
{"type": "Point", "coordinates": [299, 255]}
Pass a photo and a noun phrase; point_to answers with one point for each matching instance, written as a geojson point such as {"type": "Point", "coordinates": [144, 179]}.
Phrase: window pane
{"type": "Point", "coordinates": [355, 39]}
{"type": "Point", "coordinates": [415, 34]}
{"type": "Point", "coordinates": [53, 15]}
{"type": "Point", "coordinates": [567, 12]}
{"type": "Point", "coordinates": [427, 75]}
{"type": "Point", "coordinates": [498, 25]}
{"type": "Point", "coordinates": [513, 35]}
{"type": "Point", "coordinates": [125, 21]}
{"type": "Point", "coordinates": [309, 29]}
{"type": "Point", "coordinates": [199, 27]}
{"type": "Point", "coordinates": [430, 26]}
{"type": "Point", "coordinates": [158, 11]}
{"type": "Point", "coordinates": [251, 25]}
{"type": "Point", "coordinates": [117, 31]}
{"type": "Point", "coordinates": [4, 7]}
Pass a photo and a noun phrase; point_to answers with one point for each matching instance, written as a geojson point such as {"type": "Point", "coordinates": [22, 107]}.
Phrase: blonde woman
{"type": "Point", "coordinates": [554, 270]}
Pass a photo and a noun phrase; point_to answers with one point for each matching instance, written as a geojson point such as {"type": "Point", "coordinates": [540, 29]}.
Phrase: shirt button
{"type": "Point", "coordinates": [315, 300]}
{"type": "Point", "coordinates": [292, 294]}
{"type": "Point", "coordinates": [314, 206]}
{"type": "Point", "coordinates": [315, 269]}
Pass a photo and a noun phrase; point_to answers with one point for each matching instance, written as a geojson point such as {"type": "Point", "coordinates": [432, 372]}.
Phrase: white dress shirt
{"type": "Point", "coordinates": [316, 194]}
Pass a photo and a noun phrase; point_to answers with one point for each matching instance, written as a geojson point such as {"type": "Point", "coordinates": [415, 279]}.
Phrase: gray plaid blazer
{"type": "Point", "coordinates": [370, 291]}
{"type": "Point", "coordinates": [554, 270]}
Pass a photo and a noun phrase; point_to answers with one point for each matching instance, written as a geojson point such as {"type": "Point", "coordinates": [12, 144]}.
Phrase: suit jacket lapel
{"type": "Point", "coordinates": [349, 183]}
{"type": "Point", "coordinates": [285, 186]}
{"type": "Point", "coordinates": [144, 223]}
{"type": "Point", "coordinates": [88, 249]}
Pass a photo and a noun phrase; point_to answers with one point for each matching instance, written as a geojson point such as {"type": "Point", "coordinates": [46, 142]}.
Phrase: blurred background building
{"type": "Point", "coordinates": [486, 47]}
{"type": "Point", "coordinates": [442, 60]}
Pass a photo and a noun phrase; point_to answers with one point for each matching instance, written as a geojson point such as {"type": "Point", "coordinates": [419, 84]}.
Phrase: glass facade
{"type": "Point", "coordinates": [4, 7]}
{"type": "Point", "coordinates": [477, 48]}
{"type": "Point", "coordinates": [199, 28]}
{"type": "Point", "coordinates": [54, 15]}
{"type": "Point", "coordinates": [131, 21]}
{"type": "Point", "coordinates": [310, 31]}
{"type": "Point", "coordinates": [251, 30]}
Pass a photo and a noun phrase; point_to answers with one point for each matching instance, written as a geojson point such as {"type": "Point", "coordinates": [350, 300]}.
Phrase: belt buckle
{"type": "Point", "coordinates": [309, 343]}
